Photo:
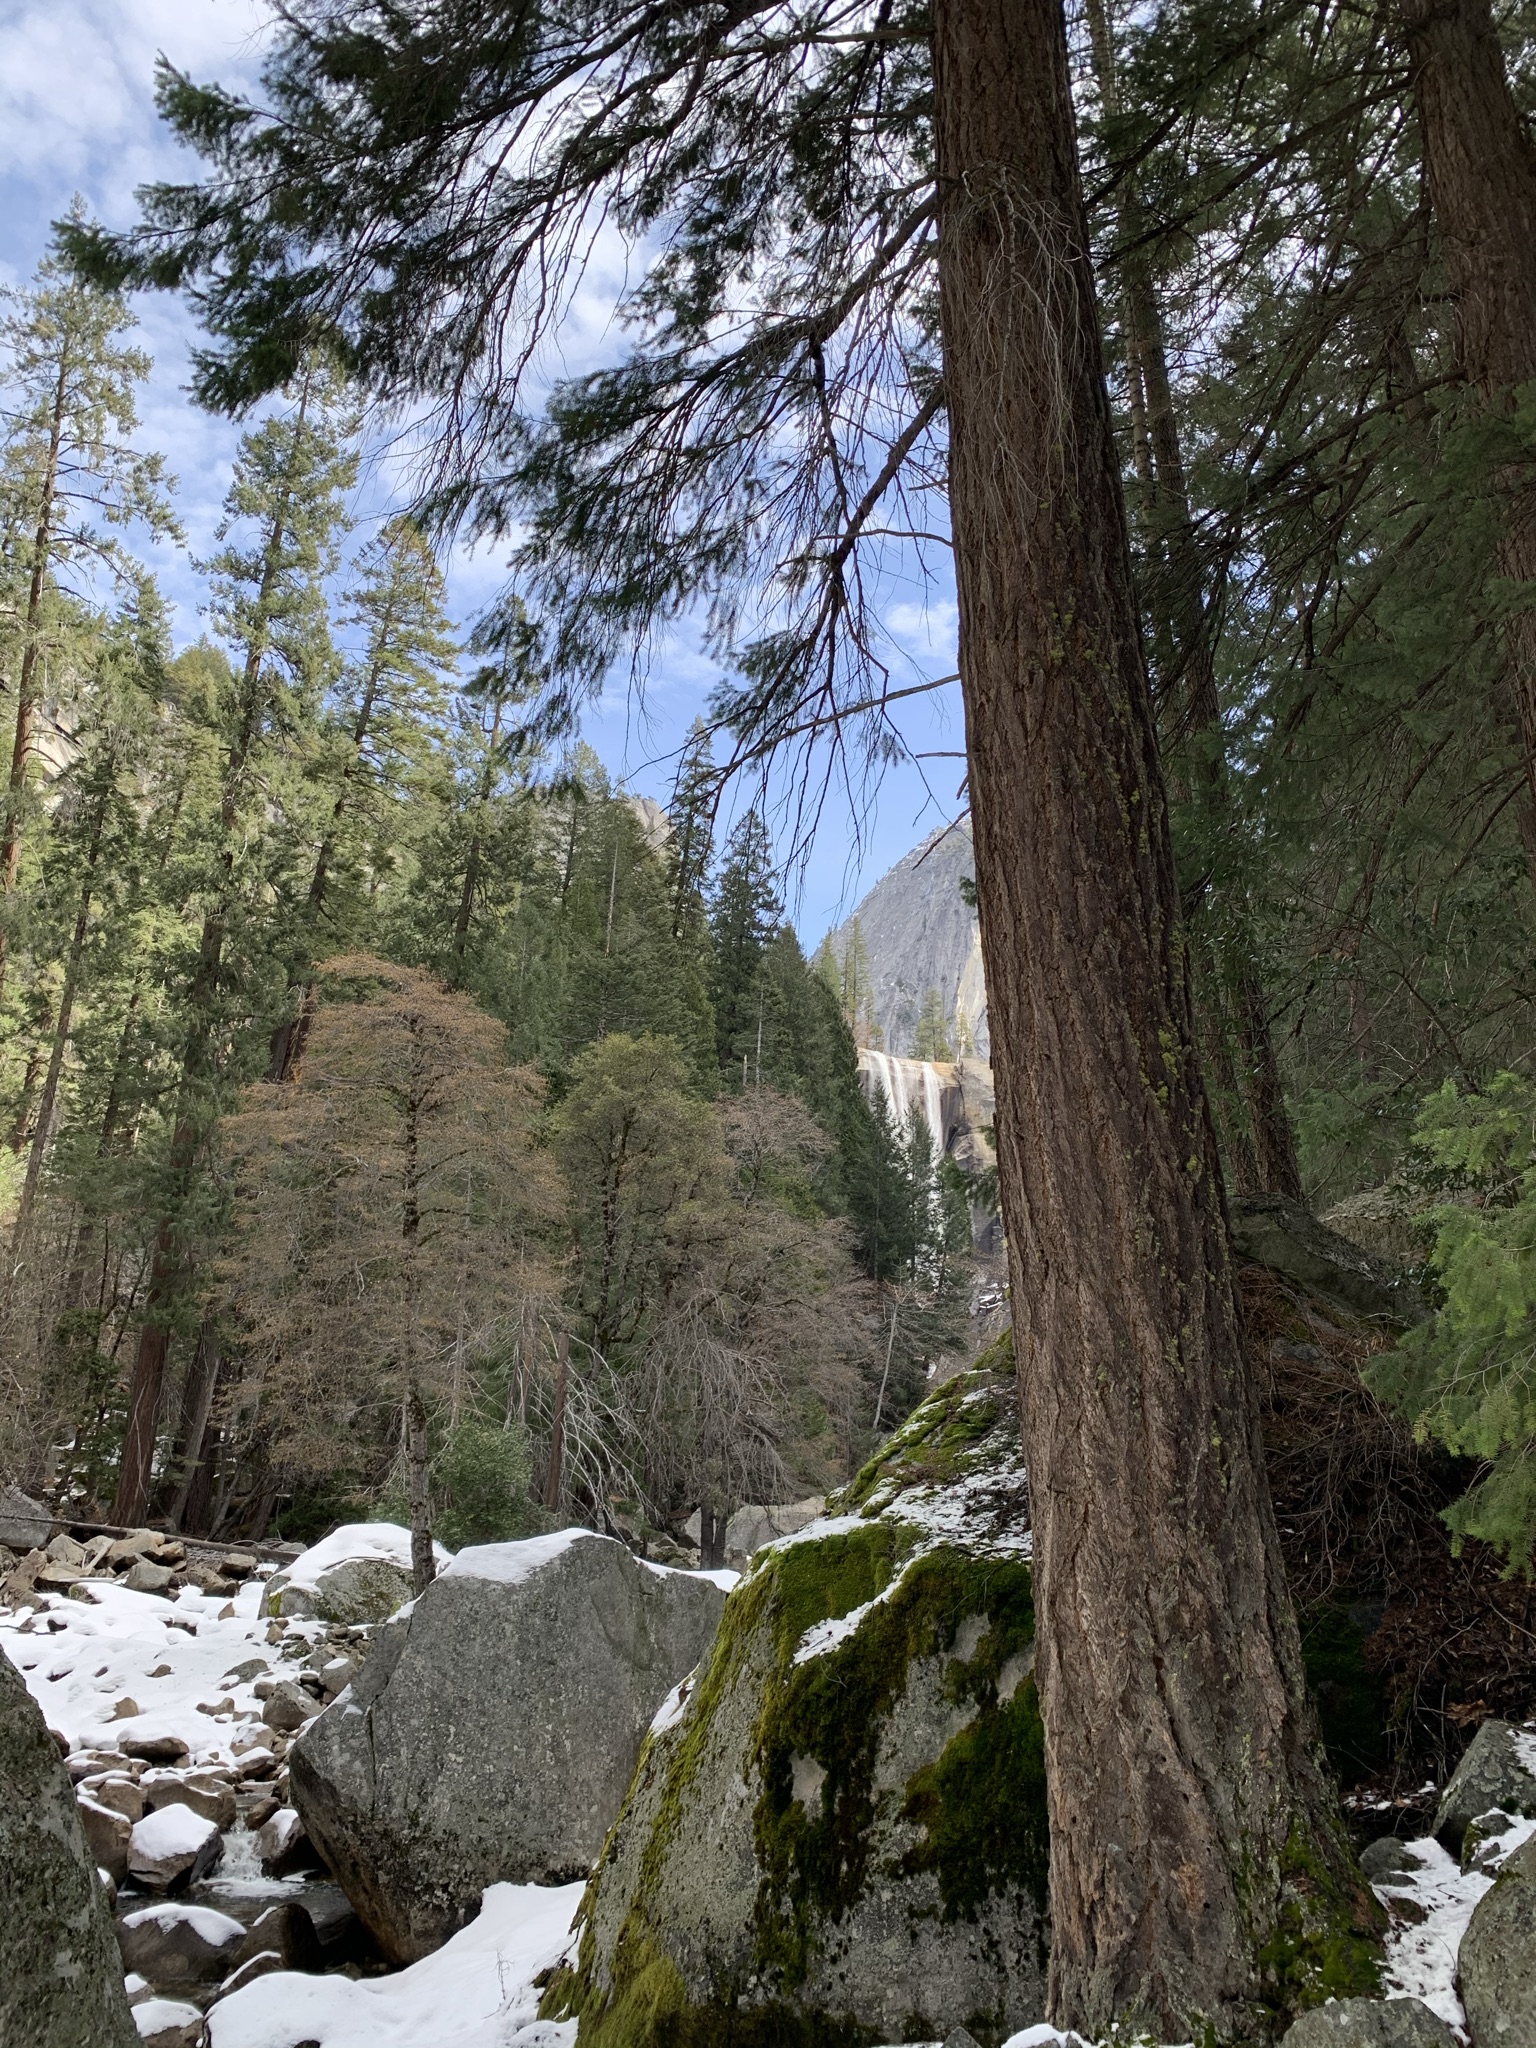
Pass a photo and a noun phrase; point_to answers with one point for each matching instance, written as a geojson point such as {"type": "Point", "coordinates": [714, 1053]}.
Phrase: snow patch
{"type": "Point", "coordinates": [670, 1712]}
{"type": "Point", "coordinates": [475, 1992]}
{"type": "Point", "coordinates": [1420, 1960]}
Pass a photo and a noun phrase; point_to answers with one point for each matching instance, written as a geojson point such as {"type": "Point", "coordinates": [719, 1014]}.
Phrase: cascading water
{"type": "Point", "coordinates": [903, 1083]}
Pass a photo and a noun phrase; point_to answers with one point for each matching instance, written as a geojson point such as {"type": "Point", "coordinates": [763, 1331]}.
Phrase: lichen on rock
{"type": "Point", "coordinates": [838, 1836]}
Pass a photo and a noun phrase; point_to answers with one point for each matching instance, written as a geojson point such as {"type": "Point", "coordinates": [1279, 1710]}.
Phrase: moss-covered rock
{"type": "Point", "coordinates": [837, 1831]}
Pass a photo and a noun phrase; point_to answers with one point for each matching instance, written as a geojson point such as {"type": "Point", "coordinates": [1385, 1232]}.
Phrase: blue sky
{"type": "Point", "coordinates": [77, 115]}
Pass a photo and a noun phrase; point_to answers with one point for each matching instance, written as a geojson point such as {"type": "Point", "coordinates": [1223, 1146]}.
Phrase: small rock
{"type": "Point", "coordinates": [261, 1811]}
{"type": "Point", "coordinates": [107, 1835]}
{"type": "Point", "coordinates": [173, 1847]}
{"type": "Point", "coordinates": [287, 1932]}
{"type": "Point", "coordinates": [65, 1550]}
{"type": "Point", "coordinates": [177, 1944]}
{"type": "Point", "coordinates": [962, 2037]}
{"type": "Point", "coordinates": [1480, 1844]}
{"type": "Point", "coordinates": [136, 1988]}
{"type": "Point", "coordinates": [337, 1675]}
{"type": "Point", "coordinates": [168, 2023]}
{"type": "Point", "coordinates": [58, 1578]}
{"type": "Point", "coordinates": [203, 1791]}
{"type": "Point", "coordinates": [256, 1759]}
{"type": "Point", "coordinates": [149, 1578]}
{"type": "Point", "coordinates": [288, 1707]}
{"type": "Point", "coordinates": [1496, 1967]}
{"type": "Point", "coordinates": [118, 1791]}
{"type": "Point", "coordinates": [211, 1583]}
{"type": "Point", "coordinates": [282, 1845]}
{"type": "Point", "coordinates": [127, 1709]}
{"type": "Point", "coordinates": [216, 1709]}
{"type": "Point", "coordinates": [1492, 1773]}
{"type": "Point", "coordinates": [241, 1674]}
{"type": "Point", "coordinates": [238, 1564]}
{"type": "Point", "coordinates": [262, 1965]}
{"type": "Point", "coordinates": [134, 1545]}
{"type": "Point", "coordinates": [155, 1749]}
{"type": "Point", "coordinates": [1386, 1858]}
{"type": "Point", "coordinates": [1369, 2023]}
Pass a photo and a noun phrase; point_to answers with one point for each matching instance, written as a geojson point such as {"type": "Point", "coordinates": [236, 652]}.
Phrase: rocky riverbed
{"type": "Point", "coordinates": [174, 1709]}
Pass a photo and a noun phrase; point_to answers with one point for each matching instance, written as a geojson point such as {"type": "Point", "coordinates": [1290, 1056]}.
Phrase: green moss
{"type": "Point", "coordinates": [982, 1809]}
{"type": "Point", "coordinates": [832, 1709]}
{"type": "Point", "coordinates": [979, 1810]}
{"type": "Point", "coordinates": [939, 1438]}
{"type": "Point", "coordinates": [1351, 1700]}
{"type": "Point", "coordinates": [1326, 1941]}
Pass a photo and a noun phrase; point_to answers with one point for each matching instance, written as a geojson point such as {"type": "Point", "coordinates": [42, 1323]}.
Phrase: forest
{"type": "Point", "coordinates": [337, 1005]}
{"type": "Point", "coordinates": [405, 1122]}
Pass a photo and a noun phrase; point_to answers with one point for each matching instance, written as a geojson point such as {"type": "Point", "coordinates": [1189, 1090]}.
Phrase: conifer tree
{"type": "Point", "coordinates": [283, 513]}
{"type": "Point", "coordinates": [744, 913]}
{"type": "Point", "coordinates": [387, 708]}
{"type": "Point", "coordinates": [70, 473]}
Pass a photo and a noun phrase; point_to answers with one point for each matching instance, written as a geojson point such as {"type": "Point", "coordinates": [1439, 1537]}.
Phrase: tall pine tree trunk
{"type": "Point", "coordinates": [1482, 188]}
{"type": "Point", "coordinates": [1185, 1791]}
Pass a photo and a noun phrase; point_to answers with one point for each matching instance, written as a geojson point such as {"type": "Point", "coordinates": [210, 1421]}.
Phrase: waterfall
{"type": "Point", "coordinates": [903, 1083]}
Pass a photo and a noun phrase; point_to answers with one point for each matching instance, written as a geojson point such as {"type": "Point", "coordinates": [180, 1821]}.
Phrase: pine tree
{"type": "Point", "coordinates": [68, 462]}
{"type": "Point", "coordinates": [744, 913]}
{"type": "Point", "coordinates": [386, 710]}
{"type": "Point", "coordinates": [932, 1038]}
{"type": "Point", "coordinates": [269, 606]}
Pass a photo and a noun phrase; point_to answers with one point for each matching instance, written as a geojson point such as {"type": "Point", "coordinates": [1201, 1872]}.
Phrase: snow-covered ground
{"type": "Point", "coordinates": [123, 1664]}
{"type": "Point", "coordinates": [476, 1992]}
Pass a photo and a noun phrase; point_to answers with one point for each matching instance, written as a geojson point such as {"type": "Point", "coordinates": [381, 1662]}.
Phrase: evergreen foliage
{"type": "Point", "coordinates": [1468, 1377]}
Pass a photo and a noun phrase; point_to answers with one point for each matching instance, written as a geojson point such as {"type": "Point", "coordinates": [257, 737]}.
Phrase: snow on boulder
{"type": "Point", "coordinates": [838, 1829]}
{"type": "Point", "coordinates": [173, 1846]}
{"type": "Point", "coordinates": [61, 1979]}
{"type": "Point", "coordinates": [492, 1733]}
{"type": "Point", "coordinates": [359, 1573]}
{"type": "Point", "coordinates": [177, 1944]}
{"type": "Point", "coordinates": [168, 2023]}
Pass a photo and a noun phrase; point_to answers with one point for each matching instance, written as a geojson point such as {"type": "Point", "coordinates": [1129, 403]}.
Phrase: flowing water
{"type": "Point", "coordinates": [904, 1083]}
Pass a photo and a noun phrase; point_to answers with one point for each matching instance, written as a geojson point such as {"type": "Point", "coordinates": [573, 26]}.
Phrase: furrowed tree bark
{"type": "Point", "coordinates": [1482, 190]}
{"type": "Point", "coordinates": [1185, 1791]}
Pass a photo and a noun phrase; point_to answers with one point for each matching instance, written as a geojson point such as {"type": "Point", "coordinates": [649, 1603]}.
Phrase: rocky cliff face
{"type": "Point", "coordinates": [920, 933]}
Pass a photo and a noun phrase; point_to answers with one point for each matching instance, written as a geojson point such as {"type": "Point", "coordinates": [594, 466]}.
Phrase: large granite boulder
{"type": "Point", "coordinates": [1496, 1965]}
{"type": "Point", "coordinates": [1498, 1770]}
{"type": "Point", "coordinates": [837, 1830]}
{"type": "Point", "coordinates": [61, 1978]}
{"type": "Point", "coordinates": [494, 1729]}
{"type": "Point", "coordinates": [1369, 2023]}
